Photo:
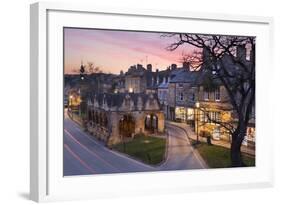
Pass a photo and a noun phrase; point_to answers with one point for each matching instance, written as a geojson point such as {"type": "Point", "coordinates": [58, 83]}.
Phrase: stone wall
{"type": "Point", "coordinates": [111, 134]}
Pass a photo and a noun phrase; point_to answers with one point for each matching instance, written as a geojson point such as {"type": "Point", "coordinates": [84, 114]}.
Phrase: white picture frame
{"type": "Point", "coordinates": [46, 180]}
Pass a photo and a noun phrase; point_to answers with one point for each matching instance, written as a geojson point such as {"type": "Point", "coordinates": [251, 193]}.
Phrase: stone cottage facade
{"type": "Point", "coordinates": [115, 117]}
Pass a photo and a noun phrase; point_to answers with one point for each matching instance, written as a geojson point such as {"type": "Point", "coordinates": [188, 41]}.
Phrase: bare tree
{"type": "Point", "coordinates": [93, 69]}
{"type": "Point", "coordinates": [226, 59]}
{"type": "Point", "coordinates": [192, 58]}
{"type": "Point", "coordinates": [90, 68]}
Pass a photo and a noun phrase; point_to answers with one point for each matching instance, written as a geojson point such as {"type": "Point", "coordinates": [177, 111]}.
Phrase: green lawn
{"type": "Point", "coordinates": [219, 157]}
{"type": "Point", "coordinates": [150, 150]}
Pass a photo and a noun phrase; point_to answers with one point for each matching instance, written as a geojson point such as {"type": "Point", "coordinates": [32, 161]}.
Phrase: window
{"type": "Point", "coordinates": [193, 97]}
{"type": "Point", "coordinates": [181, 96]}
{"type": "Point", "coordinates": [218, 116]}
{"type": "Point", "coordinates": [201, 115]}
{"type": "Point", "coordinates": [206, 95]}
{"type": "Point", "coordinates": [190, 113]}
{"type": "Point", "coordinates": [180, 113]}
{"type": "Point", "coordinates": [212, 117]}
{"type": "Point", "coordinates": [207, 117]}
{"type": "Point", "coordinates": [127, 102]}
{"type": "Point", "coordinates": [180, 85]}
{"type": "Point", "coordinates": [164, 93]}
{"type": "Point", "coordinates": [217, 94]}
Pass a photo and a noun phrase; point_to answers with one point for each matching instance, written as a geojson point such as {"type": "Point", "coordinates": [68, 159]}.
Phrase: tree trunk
{"type": "Point", "coordinates": [237, 139]}
{"type": "Point", "coordinates": [236, 158]}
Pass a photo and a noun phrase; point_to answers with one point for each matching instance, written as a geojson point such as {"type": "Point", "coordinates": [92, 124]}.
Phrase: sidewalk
{"type": "Point", "coordinates": [190, 133]}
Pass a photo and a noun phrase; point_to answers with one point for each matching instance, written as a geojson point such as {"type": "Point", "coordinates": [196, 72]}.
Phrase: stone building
{"type": "Point", "coordinates": [187, 88]}
{"type": "Point", "coordinates": [141, 80]}
{"type": "Point", "coordinates": [114, 117]}
{"type": "Point", "coordinates": [182, 92]}
{"type": "Point", "coordinates": [162, 93]}
{"type": "Point", "coordinates": [214, 104]}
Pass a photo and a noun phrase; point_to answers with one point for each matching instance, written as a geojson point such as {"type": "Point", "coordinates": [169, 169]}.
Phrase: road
{"type": "Point", "coordinates": [181, 155]}
{"type": "Point", "coordinates": [84, 155]}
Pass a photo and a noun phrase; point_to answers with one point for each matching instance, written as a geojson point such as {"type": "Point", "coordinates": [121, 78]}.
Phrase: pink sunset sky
{"type": "Point", "coordinates": [113, 51]}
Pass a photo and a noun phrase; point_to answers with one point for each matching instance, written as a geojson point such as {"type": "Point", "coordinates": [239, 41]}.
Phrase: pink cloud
{"type": "Point", "coordinates": [115, 50]}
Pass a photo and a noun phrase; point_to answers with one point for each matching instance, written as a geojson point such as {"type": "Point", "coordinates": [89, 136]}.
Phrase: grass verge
{"type": "Point", "coordinates": [219, 157]}
{"type": "Point", "coordinates": [150, 150]}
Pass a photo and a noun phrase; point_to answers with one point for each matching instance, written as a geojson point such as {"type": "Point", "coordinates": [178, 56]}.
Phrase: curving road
{"type": "Point", "coordinates": [84, 155]}
{"type": "Point", "coordinates": [181, 155]}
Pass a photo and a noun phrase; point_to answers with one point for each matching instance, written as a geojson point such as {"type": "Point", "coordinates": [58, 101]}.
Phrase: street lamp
{"type": "Point", "coordinates": [70, 105]}
{"type": "Point", "coordinates": [197, 105]}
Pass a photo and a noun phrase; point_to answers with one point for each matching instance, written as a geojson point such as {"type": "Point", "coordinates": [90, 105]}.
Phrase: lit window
{"type": "Point", "coordinates": [218, 116]}
{"type": "Point", "coordinates": [212, 117]}
{"type": "Point", "coordinates": [190, 113]}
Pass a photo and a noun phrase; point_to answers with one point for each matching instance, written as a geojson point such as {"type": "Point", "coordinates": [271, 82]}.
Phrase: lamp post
{"type": "Point", "coordinates": [70, 104]}
{"type": "Point", "coordinates": [197, 105]}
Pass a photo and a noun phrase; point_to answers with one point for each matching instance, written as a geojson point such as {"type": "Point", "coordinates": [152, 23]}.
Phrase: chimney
{"type": "Point", "coordinates": [241, 52]}
{"type": "Point", "coordinates": [174, 66]}
{"type": "Point", "coordinates": [139, 66]}
{"type": "Point", "coordinates": [149, 67]}
{"type": "Point", "coordinates": [132, 67]}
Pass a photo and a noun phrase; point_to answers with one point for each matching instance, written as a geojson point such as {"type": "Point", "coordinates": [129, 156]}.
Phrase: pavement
{"type": "Point", "coordinates": [191, 134]}
{"type": "Point", "coordinates": [85, 155]}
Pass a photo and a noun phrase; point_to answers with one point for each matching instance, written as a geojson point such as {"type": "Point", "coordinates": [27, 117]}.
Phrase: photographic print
{"type": "Point", "coordinates": [143, 101]}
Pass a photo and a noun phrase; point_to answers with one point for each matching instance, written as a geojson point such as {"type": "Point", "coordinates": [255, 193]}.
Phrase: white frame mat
{"type": "Point", "coordinates": [46, 59]}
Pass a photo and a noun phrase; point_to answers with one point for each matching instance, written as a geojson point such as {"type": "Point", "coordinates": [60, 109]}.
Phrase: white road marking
{"type": "Point", "coordinates": [113, 152]}
{"type": "Point", "coordinates": [90, 151]}
{"type": "Point", "coordinates": [79, 159]}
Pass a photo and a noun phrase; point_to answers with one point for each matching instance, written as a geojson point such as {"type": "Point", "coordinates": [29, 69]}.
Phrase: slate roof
{"type": "Point", "coordinates": [116, 99]}
{"type": "Point", "coordinates": [183, 75]}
